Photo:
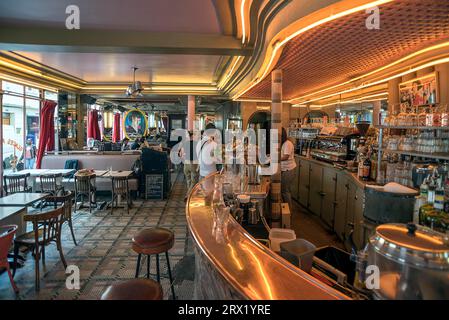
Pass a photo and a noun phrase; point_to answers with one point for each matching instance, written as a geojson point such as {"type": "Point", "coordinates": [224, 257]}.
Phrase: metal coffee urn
{"type": "Point", "coordinates": [413, 262]}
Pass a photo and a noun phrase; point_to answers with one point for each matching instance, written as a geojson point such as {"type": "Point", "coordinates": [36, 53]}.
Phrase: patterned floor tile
{"type": "Point", "coordinates": [104, 252]}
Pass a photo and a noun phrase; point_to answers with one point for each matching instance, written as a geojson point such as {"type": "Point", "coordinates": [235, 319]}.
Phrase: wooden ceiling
{"type": "Point", "coordinates": [343, 49]}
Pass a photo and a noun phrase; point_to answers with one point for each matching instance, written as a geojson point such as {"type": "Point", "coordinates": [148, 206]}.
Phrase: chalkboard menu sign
{"type": "Point", "coordinates": [154, 186]}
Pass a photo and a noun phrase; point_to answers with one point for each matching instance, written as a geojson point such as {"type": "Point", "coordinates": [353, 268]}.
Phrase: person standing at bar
{"type": "Point", "coordinates": [188, 156]}
{"type": "Point", "coordinates": [288, 165]}
{"type": "Point", "coordinates": [206, 153]}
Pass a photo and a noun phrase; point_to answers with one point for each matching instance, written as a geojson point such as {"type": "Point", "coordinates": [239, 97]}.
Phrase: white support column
{"type": "Point", "coordinates": [191, 113]}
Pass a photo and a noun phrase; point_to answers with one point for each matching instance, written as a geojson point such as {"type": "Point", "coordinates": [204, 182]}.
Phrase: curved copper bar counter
{"type": "Point", "coordinates": [233, 265]}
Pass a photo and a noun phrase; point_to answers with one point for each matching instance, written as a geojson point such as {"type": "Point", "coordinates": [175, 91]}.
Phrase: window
{"type": "Point", "coordinates": [32, 107]}
{"type": "Point", "coordinates": [49, 95]}
{"type": "Point", "coordinates": [6, 118]}
{"type": "Point", "coordinates": [13, 126]}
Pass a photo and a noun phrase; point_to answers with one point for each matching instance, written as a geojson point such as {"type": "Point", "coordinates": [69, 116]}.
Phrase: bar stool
{"type": "Point", "coordinates": [151, 241]}
{"type": "Point", "coordinates": [134, 289]}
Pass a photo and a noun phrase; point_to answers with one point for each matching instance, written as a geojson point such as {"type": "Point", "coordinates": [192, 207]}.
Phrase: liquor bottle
{"type": "Point", "coordinates": [446, 196]}
{"type": "Point", "coordinates": [366, 168]}
{"type": "Point", "coordinates": [374, 166]}
{"type": "Point", "coordinates": [360, 168]}
{"type": "Point", "coordinates": [431, 191]}
{"type": "Point", "coordinates": [438, 202]}
{"type": "Point", "coordinates": [424, 189]}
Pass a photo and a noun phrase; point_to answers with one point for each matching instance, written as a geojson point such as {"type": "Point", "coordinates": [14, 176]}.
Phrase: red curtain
{"type": "Point", "coordinates": [47, 131]}
{"type": "Point", "coordinates": [93, 129]}
{"type": "Point", "coordinates": [116, 128]}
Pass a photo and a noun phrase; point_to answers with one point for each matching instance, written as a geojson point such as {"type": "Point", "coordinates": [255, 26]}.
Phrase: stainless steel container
{"type": "Point", "coordinates": [413, 262]}
{"type": "Point", "coordinates": [253, 174]}
{"type": "Point", "coordinates": [253, 216]}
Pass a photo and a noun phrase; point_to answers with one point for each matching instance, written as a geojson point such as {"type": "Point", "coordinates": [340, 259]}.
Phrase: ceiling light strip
{"type": "Point", "coordinates": [415, 54]}
{"type": "Point", "coordinates": [281, 43]}
{"type": "Point", "coordinates": [33, 72]}
{"type": "Point", "coordinates": [361, 99]}
{"type": "Point", "coordinates": [242, 17]}
{"type": "Point", "coordinates": [229, 73]}
{"type": "Point", "coordinates": [366, 85]}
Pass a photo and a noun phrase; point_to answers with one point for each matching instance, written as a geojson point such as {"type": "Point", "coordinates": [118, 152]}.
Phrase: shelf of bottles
{"type": "Point", "coordinates": [418, 137]}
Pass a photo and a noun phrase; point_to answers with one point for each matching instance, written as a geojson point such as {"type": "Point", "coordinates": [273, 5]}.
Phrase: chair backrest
{"type": "Point", "coordinates": [66, 201]}
{"type": "Point", "coordinates": [84, 183]}
{"type": "Point", "coordinates": [49, 221]}
{"type": "Point", "coordinates": [15, 183]}
{"type": "Point", "coordinates": [120, 185]}
{"type": "Point", "coordinates": [49, 182]}
{"type": "Point", "coordinates": [6, 236]}
{"type": "Point", "coordinates": [71, 164]}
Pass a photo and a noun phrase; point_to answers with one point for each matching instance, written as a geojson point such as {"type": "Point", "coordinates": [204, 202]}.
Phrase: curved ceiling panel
{"type": "Point", "coordinates": [343, 49]}
{"type": "Point", "coordinates": [188, 16]}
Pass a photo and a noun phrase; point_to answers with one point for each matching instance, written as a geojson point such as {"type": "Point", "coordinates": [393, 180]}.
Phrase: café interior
{"type": "Point", "coordinates": [93, 206]}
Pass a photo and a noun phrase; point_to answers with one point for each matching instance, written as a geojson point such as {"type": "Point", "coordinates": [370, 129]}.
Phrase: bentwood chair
{"type": "Point", "coordinates": [49, 184]}
{"type": "Point", "coordinates": [16, 183]}
{"type": "Point", "coordinates": [6, 238]}
{"type": "Point", "coordinates": [120, 187]}
{"type": "Point", "coordinates": [85, 187]}
{"type": "Point", "coordinates": [46, 229]}
{"type": "Point", "coordinates": [66, 201]}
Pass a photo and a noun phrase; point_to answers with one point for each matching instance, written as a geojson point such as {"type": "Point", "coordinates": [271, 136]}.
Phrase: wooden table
{"type": "Point", "coordinates": [21, 199]}
{"type": "Point", "coordinates": [13, 215]}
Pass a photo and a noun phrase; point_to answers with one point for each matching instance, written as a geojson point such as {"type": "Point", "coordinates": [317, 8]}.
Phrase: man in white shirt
{"type": "Point", "coordinates": [288, 165]}
{"type": "Point", "coordinates": [206, 151]}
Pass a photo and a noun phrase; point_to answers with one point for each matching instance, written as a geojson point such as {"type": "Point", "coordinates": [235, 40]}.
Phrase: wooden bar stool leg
{"type": "Point", "coordinates": [172, 285]}
{"type": "Point", "coordinates": [148, 266]}
{"type": "Point", "coordinates": [138, 265]}
{"type": "Point", "coordinates": [157, 268]}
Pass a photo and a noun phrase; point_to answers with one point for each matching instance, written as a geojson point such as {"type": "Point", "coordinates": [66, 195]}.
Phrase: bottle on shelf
{"type": "Point", "coordinates": [373, 175]}
{"type": "Point", "coordinates": [424, 189]}
{"type": "Point", "coordinates": [431, 191]}
{"type": "Point", "coordinates": [366, 168]}
{"type": "Point", "coordinates": [438, 202]}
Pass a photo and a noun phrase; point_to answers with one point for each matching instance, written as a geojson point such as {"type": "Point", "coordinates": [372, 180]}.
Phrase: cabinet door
{"type": "Point", "coordinates": [328, 196]}
{"type": "Point", "coordinates": [316, 188]}
{"type": "Point", "coordinates": [359, 207]}
{"type": "Point", "coordinates": [350, 206]}
{"type": "Point", "coordinates": [295, 186]}
{"type": "Point", "coordinates": [304, 171]}
{"type": "Point", "coordinates": [341, 196]}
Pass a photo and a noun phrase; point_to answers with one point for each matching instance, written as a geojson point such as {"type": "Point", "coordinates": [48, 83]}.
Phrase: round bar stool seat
{"type": "Point", "coordinates": [153, 241]}
{"type": "Point", "coordinates": [134, 289]}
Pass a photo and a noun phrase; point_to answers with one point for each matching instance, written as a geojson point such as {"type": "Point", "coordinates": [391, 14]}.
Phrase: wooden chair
{"type": "Point", "coordinates": [6, 237]}
{"type": "Point", "coordinates": [66, 201]}
{"type": "Point", "coordinates": [15, 183]}
{"type": "Point", "coordinates": [85, 187]}
{"type": "Point", "coordinates": [120, 187]}
{"type": "Point", "coordinates": [46, 229]}
{"type": "Point", "coordinates": [49, 184]}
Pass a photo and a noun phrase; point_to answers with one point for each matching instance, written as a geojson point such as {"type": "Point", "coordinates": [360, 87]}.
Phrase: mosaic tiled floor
{"type": "Point", "coordinates": [104, 253]}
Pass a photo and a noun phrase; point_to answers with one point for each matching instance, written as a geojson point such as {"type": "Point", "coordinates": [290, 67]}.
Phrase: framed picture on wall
{"type": "Point", "coordinates": [134, 124]}
{"type": "Point", "coordinates": [422, 91]}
